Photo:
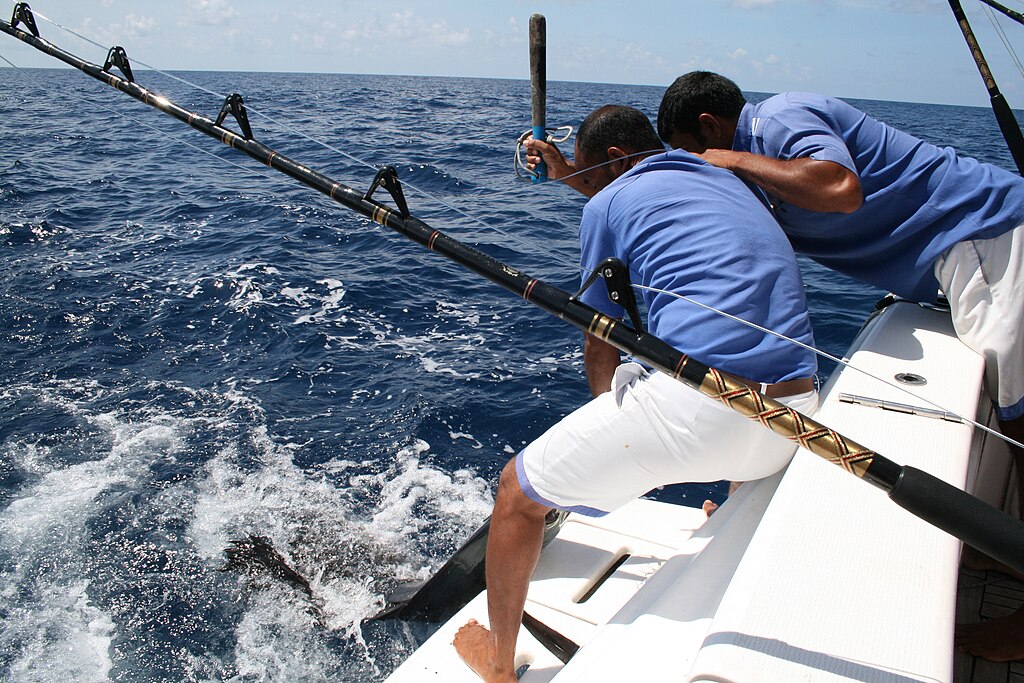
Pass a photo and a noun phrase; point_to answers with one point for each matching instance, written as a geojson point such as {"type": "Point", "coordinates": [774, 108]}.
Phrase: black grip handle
{"type": "Point", "coordinates": [960, 514]}
{"type": "Point", "coordinates": [539, 68]}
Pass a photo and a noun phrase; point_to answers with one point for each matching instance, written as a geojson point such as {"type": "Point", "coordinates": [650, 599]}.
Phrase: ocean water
{"type": "Point", "coordinates": [194, 348]}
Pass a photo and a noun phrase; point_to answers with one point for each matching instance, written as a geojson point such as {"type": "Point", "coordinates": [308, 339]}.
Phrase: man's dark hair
{"type": "Point", "coordinates": [693, 94]}
{"type": "Point", "coordinates": [616, 126]}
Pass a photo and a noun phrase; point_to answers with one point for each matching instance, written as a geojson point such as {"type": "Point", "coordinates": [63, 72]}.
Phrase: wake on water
{"type": "Point", "coordinates": [123, 544]}
{"type": "Point", "coordinates": [192, 356]}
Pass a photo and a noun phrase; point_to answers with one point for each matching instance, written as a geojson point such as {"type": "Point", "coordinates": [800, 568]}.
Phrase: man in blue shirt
{"type": "Point", "coordinates": [884, 207]}
{"type": "Point", "coordinates": [685, 229]}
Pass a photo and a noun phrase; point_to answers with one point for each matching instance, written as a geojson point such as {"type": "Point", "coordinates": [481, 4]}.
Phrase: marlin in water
{"type": "Point", "coordinates": [251, 553]}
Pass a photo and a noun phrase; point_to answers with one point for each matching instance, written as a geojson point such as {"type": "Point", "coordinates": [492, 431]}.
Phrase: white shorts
{"type": "Point", "coordinates": [648, 431]}
{"type": "Point", "coordinates": [984, 282]}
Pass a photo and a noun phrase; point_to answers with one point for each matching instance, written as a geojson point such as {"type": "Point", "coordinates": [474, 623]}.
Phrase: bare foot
{"type": "Point", "coordinates": [709, 507]}
{"type": "Point", "coordinates": [473, 643]}
{"type": "Point", "coordinates": [998, 640]}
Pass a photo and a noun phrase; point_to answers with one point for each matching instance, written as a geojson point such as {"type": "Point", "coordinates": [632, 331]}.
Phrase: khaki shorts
{"type": "Point", "coordinates": [984, 282]}
{"type": "Point", "coordinates": [648, 431]}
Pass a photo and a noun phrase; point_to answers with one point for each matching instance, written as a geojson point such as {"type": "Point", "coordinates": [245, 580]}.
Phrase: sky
{"type": "Point", "coordinates": [904, 50]}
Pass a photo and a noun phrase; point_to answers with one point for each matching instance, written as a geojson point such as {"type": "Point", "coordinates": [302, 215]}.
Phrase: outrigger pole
{"type": "Point", "coordinates": [1004, 115]}
{"type": "Point", "coordinates": [973, 521]}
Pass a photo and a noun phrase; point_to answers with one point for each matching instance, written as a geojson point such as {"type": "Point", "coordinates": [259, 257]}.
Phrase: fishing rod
{"type": "Point", "coordinates": [958, 513]}
{"type": "Point", "coordinates": [1016, 16]}
{"type": "Point", "coordinates": [1004, 115]}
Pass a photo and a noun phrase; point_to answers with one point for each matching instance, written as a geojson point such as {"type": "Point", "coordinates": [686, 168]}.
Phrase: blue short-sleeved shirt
{"type": "Point", "coordinates": [919, 200]}
{"type": "Point", "coordinates": [684, 226]}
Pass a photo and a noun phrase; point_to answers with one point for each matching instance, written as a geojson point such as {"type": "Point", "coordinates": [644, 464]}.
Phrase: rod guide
{"type": "Point", "coordinates": [387, 178]}
{"type": "Point", "coordinates": [23, 13]}
{"type": "Point", "coordinates": [234, 105]}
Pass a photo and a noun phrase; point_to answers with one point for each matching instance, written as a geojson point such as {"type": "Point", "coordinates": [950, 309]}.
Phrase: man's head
{"type": "Point", "coordinates": [607, 139]}
{"type": "Point", "coordinates": [699, 111]}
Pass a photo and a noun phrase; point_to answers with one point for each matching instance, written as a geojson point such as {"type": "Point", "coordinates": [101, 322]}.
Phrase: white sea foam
{"type": "Point", "coordinates": [349, 532]}
{"type": "Point", "coordinates": [296, 294]}
{"type": "Point", "coordinates": [277, 640]}
{"type": "Point", "coordinates": [62, 636]}
{"type": "Point", "coordinates": [461, 498]}
{"type": "Point", "coordinates": [55, 630]}
{"type": "Point", "coordinates": [55, 507]}
{"type": "Point", "coordinates": [259, 267]}
{"type": "Point", "coordinates": [353, 526]}
{"type": "Point", "coordinates": [328, 302]}
{"type": "Point", "coordinates": [463, 435]}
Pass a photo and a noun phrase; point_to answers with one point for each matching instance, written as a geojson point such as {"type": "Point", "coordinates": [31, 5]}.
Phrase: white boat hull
{"type": "Point", "coordinates": [808, 575]}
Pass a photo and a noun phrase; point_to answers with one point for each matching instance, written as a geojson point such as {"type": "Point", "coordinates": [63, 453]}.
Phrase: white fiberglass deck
{"type": "Point", "coordinates": [809, 575]}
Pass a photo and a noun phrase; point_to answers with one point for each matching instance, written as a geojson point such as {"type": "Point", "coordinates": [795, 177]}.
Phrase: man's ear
{"type": "Point", "coordinates": [619, 159]}
{"type": "Point", "coordinates": [710, 125]}
{"type": "Point", "coordinates": [717, 131]}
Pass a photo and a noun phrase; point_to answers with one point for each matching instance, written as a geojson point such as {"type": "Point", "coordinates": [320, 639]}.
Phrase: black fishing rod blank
{"type": "Point", "coordinates": [980, 525]}
{"type": "Point", "coordinates": [1016, 16]}
{"type": "Point", "coordinates": [1004, 115]}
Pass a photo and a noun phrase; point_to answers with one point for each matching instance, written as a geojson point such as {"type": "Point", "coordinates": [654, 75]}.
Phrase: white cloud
{"type": "Point", "coordinates": [244, 40]}
{"type": "Point", "coordinates": [636, 54]}
{"type": "Point", "coordinates": [738, 53]}
{"type": "Point", "coordinates": [136, 26]}
{"type": "Point", "coordinates": [405, 28]}
{"type": "Point", "coordinates": [208, 13]}
{"type": "Point", "coordinates": [919, 7]}
{"type": "Point", "coordinates": [105, 35]}
{"type": "Point", "coordinates": [417, 31]}
{"type": "Point", "coordinates": [752, 4]}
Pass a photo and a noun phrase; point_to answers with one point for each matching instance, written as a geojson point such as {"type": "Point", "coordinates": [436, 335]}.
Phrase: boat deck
{"type": "Point", "coordinates": [986, 595]}
{"type": "Point", "coordinates": [806, 575]}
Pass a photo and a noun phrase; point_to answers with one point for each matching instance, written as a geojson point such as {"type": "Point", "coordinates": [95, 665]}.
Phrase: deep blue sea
{"type": "Point", "coordinates": [194, 348]}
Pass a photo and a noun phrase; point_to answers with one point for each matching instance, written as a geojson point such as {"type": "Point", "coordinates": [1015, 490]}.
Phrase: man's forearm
{"type": "Point", "coordinates": [806, 183]}
{"type": "Point", "coordinates": [559, 168]}
{"type": "Point", "coordinates": [600, 360]}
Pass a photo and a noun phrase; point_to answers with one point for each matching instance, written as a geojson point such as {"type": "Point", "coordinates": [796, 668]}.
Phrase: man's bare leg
{"type": "Point", "coordinates": [1015, 430]}
{"type": "Point", "coordinates": [710, 506]}
{"type": "Point", "coordinates": [999, 640]}
{"type": "Point", "coordinates": [513, 547]}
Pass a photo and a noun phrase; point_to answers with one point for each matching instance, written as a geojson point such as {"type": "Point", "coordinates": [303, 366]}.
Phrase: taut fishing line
{"type": "Point", "coordinates": [924, 495]}
{"type": "Point", "coordinates": [519, 240]}
{"type": "Point", "coordinates": [1003, 39]}
{"type": "Point", "coordinates": [288, 128]}
{"type": "Point", "coordinates": [128, 117]}
{"type": "Point", "coordinates": [824, 354]}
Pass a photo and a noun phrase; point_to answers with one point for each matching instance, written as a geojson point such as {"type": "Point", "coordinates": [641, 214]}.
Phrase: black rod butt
{"type": "Point", "coordinates": [960, 514]}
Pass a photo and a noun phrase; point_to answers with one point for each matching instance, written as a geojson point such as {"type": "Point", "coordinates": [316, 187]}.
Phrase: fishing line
{"type": "Point", "coordinates": [521, 241]}
{"type": "Point", "coordinates": [530, 246]}
{"type": "Point", "coordinates": [823, 354]}
{"type": "Point", "coordinates": [1002, 37]}
{"type": "Point", "coordinates": [841, 361]}
{"type": "Point", "coordinates": [256, 172]}
{"type": "Point", "coordinates": [928, 497]}
{"type": "Point", "coordinates": [40, 15]}
{"type": "Point", "coordinates": [525, 244]}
